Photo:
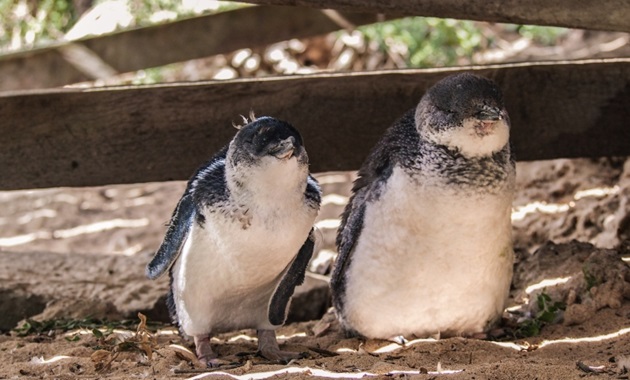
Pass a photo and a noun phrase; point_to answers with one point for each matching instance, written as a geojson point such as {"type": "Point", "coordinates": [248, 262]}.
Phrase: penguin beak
{"type": "Point", "coordinates": [488, 118]}
{"type": "Point", "coordinates": [489, 114]}
{"type": "Point", "coordinates": [285, 149]}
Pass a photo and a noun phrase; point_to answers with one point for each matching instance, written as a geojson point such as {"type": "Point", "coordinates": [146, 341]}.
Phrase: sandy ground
{"type": "Point", "coordinates": [81, 252]}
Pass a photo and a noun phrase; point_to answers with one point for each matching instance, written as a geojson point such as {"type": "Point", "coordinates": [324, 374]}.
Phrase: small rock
{"type": "Point", "coordinates": [18, 305]}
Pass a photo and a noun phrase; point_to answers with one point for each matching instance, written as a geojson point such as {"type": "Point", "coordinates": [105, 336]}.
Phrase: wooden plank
{"type": "Point", "coordinates": [177, 41]}
{"type": "Point", "coordinates": [158, 133]}
{"type": "Point", "coordinates": [612, 15]}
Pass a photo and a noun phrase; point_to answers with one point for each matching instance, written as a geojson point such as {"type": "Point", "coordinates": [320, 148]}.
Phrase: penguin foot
{"type": "Point", "coordinates": [269, 349]}
{"type": "Point", "coordinates": [205, 355]}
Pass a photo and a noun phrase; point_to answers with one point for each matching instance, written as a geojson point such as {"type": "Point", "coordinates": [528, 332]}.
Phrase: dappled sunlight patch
{"type": "Point", "coordinates": [91, 228]}
{"type": "Point", "coordinates": [548, 282]}
{"type": "Point", "coordinates": [538, 207]}
{"type": "Point", "coordinates": [168, 332]}
{"type": "Point", "coordinates": [515, 346]}
{"type": "Point", "coordinates": [101, 226]}
{"type": "Point", "coordinates": [597, 192]}
{"type": "Point", "coordinates": [327, 179]}
{"type": "Point", "coordinates": [395, 346]}
{"type": "Point", "coordinates": [315, 372]}
{"type": "Point", "coordinates": [526, 346]}
{"type": "Point", "coordinates": [12, 241]}
{"type": "Point", "coordinates": [251, 337]}
{"type": "Point", "coordinates": [29, 216]}
{"type": "Point", "coordinates": [588, 339]}
{"type": "Point", "coordinates": [346, 350]}
{"type": "Point", "coordinates": [328, 224]}
{"type": "Point", "coordinates": [521, 212]}
{"type": "Point", "coordinates": [54, 359]}
{"type": "Point", "coordinates": [335, 199]}
{"type": "Point", "coordinates": [284, 338]}
{"type": "Point", "coordinates": [130, 250]}
{"type": "Point", "coordinates": [242, 337]}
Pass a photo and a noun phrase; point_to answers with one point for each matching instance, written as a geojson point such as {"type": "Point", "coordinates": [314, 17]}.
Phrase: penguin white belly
{"type": "Point", "coordinates": [226, 275]}
{"type": "Point", "coordinates": [429, 261]}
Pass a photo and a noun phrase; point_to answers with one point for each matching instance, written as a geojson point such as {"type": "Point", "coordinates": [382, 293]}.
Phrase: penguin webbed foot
{"type": "Point", "coordinates": [269, 349]}
{"type": "Point", "coordinates": [205, 355]}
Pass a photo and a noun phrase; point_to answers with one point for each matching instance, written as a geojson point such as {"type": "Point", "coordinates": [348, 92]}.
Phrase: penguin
{"type": "Point", "coordinates": [425, 244]}
{"type": "Point", "coordinates": [240, 239]}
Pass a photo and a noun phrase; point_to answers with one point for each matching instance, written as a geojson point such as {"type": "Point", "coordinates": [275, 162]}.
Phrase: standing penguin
{"type": "Point", "coordinates": [425, 243]}
{"type": "Point", "coordinates": [240, 238]}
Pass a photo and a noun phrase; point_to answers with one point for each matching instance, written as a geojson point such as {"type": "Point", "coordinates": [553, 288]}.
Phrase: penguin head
{"type": "Point", "coordinates": [266, 139]}
{"type": "Point", "coordinates": [464, 112]}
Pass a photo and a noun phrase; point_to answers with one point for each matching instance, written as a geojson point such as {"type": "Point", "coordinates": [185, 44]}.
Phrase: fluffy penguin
{"type": "Point", "coordinates": [425, 245]}
{"type": "Point", "coordinates": [240, 238]}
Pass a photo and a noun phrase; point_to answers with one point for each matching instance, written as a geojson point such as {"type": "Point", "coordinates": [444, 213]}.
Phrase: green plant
{"type": "Point", "coordinates": [427, 41]}
{"type": "Point", "coordinates": [32, 327]}
{"type": "Point", "coordinates": [590, 279]}
{"type": "Point", "coordinates": [548, 311]}
{"type": "Point", "coordinates": [546, 35]}
{"type": "Point", "coordinates": [26, 24]}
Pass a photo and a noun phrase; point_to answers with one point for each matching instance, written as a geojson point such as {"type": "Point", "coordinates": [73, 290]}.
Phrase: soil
{"type": "Point", "coordinates": [77, 253]}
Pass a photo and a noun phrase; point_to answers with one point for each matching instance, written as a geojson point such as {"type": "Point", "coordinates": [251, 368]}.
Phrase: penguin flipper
{"type": "Point", "coordinates": [176, 235]}
{"type": "Point", "coordinates": [292, 277]}
{"type": "Point", "coordinates": [348, 235]}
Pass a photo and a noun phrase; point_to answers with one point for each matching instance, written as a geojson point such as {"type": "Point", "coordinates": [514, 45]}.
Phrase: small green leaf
{"type": "Point", "coordinates": [97, 333]}
{"type": "Point", "coordinates": [548, 311]}
{"type": "Point", "coordinates": [543, 299]}
{"type": "Point", "coordinates": [73, 338]}
{"type": "Point", "coordinates": [546, 316]}
{"type": "Point", "coordinates": [591, 280]}
{"type": "Point", "coordinates": [529, 328]}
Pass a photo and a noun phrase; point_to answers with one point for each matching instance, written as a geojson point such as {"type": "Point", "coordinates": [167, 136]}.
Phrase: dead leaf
{"type": "Point", "coordinates": [100, 356]}
{"type": "Point", "coordinates": [144, 338]}
{"type": "Point", "coordinates": [183, 353]}
{"type": "Point", "coordinates": [102, 359]}
{"type": "Point", "coordinates": [320, 328]}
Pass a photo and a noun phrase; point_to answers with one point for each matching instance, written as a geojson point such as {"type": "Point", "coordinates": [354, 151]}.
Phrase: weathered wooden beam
{"type": "Point", "coordinates": [612, 15]}
{"type": "Point", "coordinates": [158, 133]}
{"type": "Point", "coordinates": [176, 41]}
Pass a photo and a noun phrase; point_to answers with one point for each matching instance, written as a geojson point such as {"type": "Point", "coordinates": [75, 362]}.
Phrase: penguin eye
{"type": "Point", "coordinates": [448, 111]}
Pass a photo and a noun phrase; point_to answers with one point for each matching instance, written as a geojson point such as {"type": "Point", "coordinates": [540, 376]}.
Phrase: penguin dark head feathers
{"type": "Point", "coordinates": [266, 137]}
{"type": "Point", "coordinates": [464, 112]}
{"type": "Point", "coordinates": [465, 95]}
